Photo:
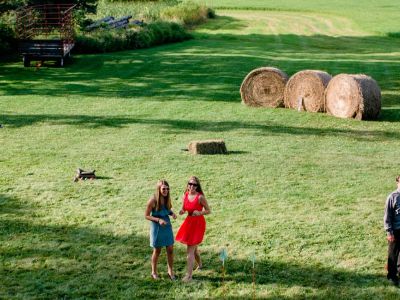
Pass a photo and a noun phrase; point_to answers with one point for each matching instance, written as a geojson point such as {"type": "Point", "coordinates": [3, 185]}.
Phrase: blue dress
{"type": "Point", "coordinates": [161, 236]}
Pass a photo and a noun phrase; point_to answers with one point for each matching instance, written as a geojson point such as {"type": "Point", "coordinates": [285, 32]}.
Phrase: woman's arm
{"type": "Point", "coordinates": [150, 205]}
{"type": "Point", "coordinates": [172, 214]}
{"type": "Point", "coordinates": [182, 211]}
{"type": "Point", "coordinates": [206, 209]}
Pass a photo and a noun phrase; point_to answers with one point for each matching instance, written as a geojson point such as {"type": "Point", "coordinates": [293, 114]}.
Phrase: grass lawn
{"type": "Point", "coordinates": [305, 192]}
{"type": "Point", "coordinates": [375, 16]}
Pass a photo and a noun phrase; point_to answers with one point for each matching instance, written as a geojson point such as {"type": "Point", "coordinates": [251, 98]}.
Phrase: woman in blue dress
{"type": "Point", "coordinates": [157, 212]}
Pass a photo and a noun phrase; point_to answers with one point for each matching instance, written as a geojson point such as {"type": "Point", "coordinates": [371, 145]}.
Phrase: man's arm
{"type": "Point", "coordinates": [388, 217]}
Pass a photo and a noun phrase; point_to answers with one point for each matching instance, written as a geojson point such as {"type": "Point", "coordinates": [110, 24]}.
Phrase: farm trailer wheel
{"type": "Point", "coordinates": [27, 61]}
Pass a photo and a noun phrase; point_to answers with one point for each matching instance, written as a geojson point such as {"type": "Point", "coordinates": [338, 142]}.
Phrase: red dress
{"type": "Point", "coordinates": [192, 229]}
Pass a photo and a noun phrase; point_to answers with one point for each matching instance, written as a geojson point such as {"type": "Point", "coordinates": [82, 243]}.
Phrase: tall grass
{"type": "Point", "coordinates": [164, 22]}
{"type": "Point", "coordinates": [188, 14]}
{"type": "Point", "coordinates": [153, 34]}
{"type": "Point", "coordinates": [149, 11]}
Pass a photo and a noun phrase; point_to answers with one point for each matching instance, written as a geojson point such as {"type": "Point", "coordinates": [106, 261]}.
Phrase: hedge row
{"type": "Point", "coordinates": [152, 34]}
{"type": "Point", "coordinates": [7, 40]}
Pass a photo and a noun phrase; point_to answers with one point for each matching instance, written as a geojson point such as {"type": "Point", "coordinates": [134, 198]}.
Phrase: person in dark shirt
{"type": "Point", "coordinates": [391, 222]}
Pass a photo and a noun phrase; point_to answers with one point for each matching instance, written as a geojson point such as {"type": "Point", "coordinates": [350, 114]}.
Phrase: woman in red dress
{"type": "Point", "coordinates": [193, 227]}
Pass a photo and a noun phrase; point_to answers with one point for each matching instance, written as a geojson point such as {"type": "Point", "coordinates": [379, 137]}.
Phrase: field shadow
{"type": "Point", "coordinates": [237, 152]}
{"type": "Point", "coordinates": [209, 68]}
{"type": "Point", "coordinates": [224, 22]}
{"type": "Point", "coordinates": [104, 177]}
{"type": "Point", "coordinates": [316, 276]}
{"type": "Point", "coordinates": [71, 261]}
{"type": "Point", "coordinates": [394, 34]}
{"type": "Point", "coordinates": [326, 282]}
{"type": "Point", "coordinates": [177, 126]}
{"type": "Point", "coordinates": [390, 108]}
{"type": "Point", "coordinates": [331, 283]}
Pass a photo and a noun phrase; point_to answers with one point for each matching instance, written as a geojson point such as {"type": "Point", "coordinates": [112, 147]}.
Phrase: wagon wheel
{"type": "Point", "coordinates": [27, 61]}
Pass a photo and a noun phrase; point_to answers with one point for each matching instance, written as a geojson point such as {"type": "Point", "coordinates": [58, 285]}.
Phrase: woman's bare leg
{"type": "Point", "coordinates": [170, 260]}
{"type": "Point", "coordinates": [154, 260]}
{"type": "Point", "coordinates": [198, 258]}
{"type": "Point", "coordinates": [190, 262]}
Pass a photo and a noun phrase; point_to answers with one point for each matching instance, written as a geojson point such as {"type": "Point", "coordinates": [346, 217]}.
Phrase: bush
{"type": "Point", "coordinates": [7, 40]}
{"type": "Point", "coordinates": [174, 16]}
{"type": "Point", "coordinates": [148, 11]}
{"type": "Point", "coordinates": [394, 34]}
{"type": "Point", "coordinates": [143, 1]}
{"type": "Point", "coordinates": [188, 14]}
{"type": "Point", "coordinates": [126, 39]}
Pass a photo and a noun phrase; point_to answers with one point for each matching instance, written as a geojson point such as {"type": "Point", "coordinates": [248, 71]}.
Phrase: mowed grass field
{"type": "Point", "coordinates": [303, 192]}
{"type": "Point", "coordinates": [377, 17]}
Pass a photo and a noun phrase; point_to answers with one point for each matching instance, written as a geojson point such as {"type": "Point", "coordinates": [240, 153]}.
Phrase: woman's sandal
{"type": "Point", "coordinates": [172, 277]}
{"type": "Point", "coordinates": [154, 276]}
{"type": "Point", "coordinates": [187, 279]}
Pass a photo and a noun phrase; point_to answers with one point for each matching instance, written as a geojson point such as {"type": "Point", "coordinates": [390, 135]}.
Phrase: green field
{"type": "Point", "coordinates": [375, 16]}
{"type": "Point", "coordinates": [304, 192]}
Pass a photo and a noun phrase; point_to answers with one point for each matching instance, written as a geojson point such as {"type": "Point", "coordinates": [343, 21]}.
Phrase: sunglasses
{"type": "Point", "coordinates": [192, 184]}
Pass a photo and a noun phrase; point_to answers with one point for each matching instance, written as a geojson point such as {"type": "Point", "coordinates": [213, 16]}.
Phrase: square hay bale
{"type": "Point", "coordinates": [207, 147]}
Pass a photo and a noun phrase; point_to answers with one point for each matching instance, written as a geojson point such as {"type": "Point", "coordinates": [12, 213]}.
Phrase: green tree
{"type": "Point", "coordinates": [9, 5]}
{"type": "Point", "coordinates": [86, 5]}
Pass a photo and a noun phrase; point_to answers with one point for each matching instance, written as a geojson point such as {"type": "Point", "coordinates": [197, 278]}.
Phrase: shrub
{"type": "Point", "coordinates": [158, 30]}
{"type": "Point", "coordinates": [394, 34]}
{"type": "Point", "coordinates": [148, 11]}
{"type": "Point", "coordinates": [135, 38]}
{"type": "Point", "coordinates": [7, 40]}
{"type": "Point", "coordinates": [187, 14]}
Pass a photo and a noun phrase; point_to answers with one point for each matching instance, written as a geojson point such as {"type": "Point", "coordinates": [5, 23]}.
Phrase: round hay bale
{"type": "Point", "coordinates": [207, 147]}
{"type": "Point", "coordinates": [353, 96]}
{"type": "Point", "coordinates": [305, 90]}
{"type": "Point", "coordinates": [264, 87]}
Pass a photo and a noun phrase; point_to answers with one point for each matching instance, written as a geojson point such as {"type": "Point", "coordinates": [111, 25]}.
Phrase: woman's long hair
{"type": "Point", "coordinates": [158, 196]}
{"type": "Point", "coordinates": [198, 188]}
